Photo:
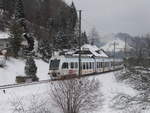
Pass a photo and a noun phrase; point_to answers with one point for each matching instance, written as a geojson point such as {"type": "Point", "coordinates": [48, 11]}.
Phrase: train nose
{"type": "Point", "coordinates": [54, 74]}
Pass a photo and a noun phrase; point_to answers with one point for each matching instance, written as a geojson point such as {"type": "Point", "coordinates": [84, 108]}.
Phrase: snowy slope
{"type": "Point", "coordinates": [109, 87]}
{"type": "Point", "coordinates": [120, 45]}
{"type": "Point", "coordinates": [4, 35]}
{"type": "Point", "coordinates": [15, 67]}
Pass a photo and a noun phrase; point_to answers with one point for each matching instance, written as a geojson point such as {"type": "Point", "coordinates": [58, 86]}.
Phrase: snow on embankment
{"type": "Point", "coordinates": [109, 88]}
{"type": "Point", "coordinates": [4, 35]}
{"type": "Point", "coordinates": [15, 67]}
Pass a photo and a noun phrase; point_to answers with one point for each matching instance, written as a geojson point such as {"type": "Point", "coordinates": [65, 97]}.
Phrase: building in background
{"type": "Point", "coordinates": [4, 40]}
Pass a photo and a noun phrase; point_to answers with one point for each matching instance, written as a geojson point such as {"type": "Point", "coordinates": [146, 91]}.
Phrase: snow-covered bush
{"type": "Point", "coordinates": [31, 68]}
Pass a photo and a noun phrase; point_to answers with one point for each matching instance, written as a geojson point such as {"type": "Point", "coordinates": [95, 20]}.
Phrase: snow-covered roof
{"type": "Point", "coordinates": [4, 35]}
{"type": "Point", "coordinates": [94, 50]}
{"type": "Point", "coordinates": [90, 47]}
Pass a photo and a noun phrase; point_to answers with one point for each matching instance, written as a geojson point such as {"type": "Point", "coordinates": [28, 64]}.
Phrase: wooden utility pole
{"type": "Point", "coordinates": [80, 43]}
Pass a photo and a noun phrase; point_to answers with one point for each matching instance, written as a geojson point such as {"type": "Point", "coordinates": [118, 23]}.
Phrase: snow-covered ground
{"type": "Point", "coordinates": [109, 88]}
{"type": "Point", "coordinates": [4, 35]}
{"type": "Point", "coordinates": [15, 67]}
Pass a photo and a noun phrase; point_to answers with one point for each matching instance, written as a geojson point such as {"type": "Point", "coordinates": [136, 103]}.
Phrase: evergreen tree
{"type": "Point", "coordinates": [30, 41]}
{"type": "Point", "coordinates": [15, 38]}
{"type": "Point", "coordinates": [20, 19]}
{"type": "Point", "coordinates": [65, 36]}
{"type": "Point", "coordinates": [30, 68]}
{"type": "Point", "coordinates": [19, 12]}
{"type": "Point", "coordinates": [84, 39]}
{"type": "Point", "coordinates": [94, 37]}
{"type": "Point", "coordinates": [74, 17]}
{"type": "Point", "coordinates": [17, 28]}
{"type": "Point", "coordinates": [45, 49]}
{"type": "Point", "coordinates": [63, 41]}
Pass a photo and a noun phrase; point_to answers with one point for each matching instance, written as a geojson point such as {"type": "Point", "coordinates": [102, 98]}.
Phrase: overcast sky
{"type": "Point", "coordinates": [112, 16]}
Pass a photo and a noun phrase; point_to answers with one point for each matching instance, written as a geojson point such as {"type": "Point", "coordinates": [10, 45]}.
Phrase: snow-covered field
{"type": "Point", "coordinates": [4, 35]}
{"type": "Point", "coordinates": [109, 87]}
{"type": "Point", "coordinates": [15, 67]}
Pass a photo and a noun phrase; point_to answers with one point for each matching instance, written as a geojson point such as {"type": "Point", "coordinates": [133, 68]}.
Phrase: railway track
{"type": "Point", "coordinates": [9, 86]}
{"type": "Point", "coordinates": [23, 84]}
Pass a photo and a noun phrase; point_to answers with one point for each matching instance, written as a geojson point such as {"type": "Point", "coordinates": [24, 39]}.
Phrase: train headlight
{"type": "Point", "coordinates": [54, 74]}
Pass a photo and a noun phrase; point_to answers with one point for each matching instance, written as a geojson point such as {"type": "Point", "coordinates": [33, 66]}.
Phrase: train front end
{"type": "Point", "coordinates": [54, 65]}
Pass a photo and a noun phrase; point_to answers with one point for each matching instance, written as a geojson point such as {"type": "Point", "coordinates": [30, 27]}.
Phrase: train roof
{"type": "Point", "coordinates": [92, 50]}
{"type": "Point", "coordinates": [87, 51]}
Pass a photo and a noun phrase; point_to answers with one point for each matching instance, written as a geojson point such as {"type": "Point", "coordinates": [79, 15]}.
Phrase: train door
{"type": "Point", "coordinates": [95, 66]}
{"type": "Point", "coordinates": [73, 69]}
{"type": "Point", "coordinates": [65, 68]}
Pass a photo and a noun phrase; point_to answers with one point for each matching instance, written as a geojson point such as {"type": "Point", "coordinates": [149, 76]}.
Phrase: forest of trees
{"type": "Point", "coordinates": [50, 21]}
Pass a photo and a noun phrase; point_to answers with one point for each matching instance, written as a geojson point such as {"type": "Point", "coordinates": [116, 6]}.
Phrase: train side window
{"type": "Point", "coordinates": [72, 65]}
{"type": "Point", "coordinates": [100, 64]}
{"type": "Point", "coordinates": [90, 65]}
{"type": "Point", "coordinates": [76, 65]}
{"type": "Point", "coordinates": [65, 65]}
{"type": "Point", "coordinates": [105, 64]}
{"type": "Point", "coordinates": [84, 65]}
{"type": "Point", "coordinates": [87, 65]}
{"type": "Point", "coordinates": [93, 65]}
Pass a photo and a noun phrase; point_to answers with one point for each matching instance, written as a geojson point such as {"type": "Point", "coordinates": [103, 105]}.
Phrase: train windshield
{"type": "Point", "coordinates": [54, 64]}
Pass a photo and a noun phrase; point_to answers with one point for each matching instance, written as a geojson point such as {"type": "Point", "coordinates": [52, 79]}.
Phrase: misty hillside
{"type": "Point", "coordinates": [119, 45]}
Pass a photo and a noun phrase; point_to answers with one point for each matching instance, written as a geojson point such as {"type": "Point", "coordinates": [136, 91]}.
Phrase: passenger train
{"type": "Point", "coordinates": [65, 65]}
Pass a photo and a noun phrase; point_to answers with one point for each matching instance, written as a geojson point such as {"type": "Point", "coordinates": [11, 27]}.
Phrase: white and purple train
{"type": "Point", "coordinates": [65, 65]}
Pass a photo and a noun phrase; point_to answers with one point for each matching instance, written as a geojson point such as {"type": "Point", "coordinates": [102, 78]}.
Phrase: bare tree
{"type": "Point", "coordinates": [94, 37]}
{"type": "Point", "coordinates": [35, 105]}
{"type": "Point", "coordinates": [76, 96]}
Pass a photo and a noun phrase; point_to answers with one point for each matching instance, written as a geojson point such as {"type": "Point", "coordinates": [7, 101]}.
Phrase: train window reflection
{"type": "Point", "coordinates": [65, 65]}
{"type": "Point", "coordinates": [54, 64]}
{"type": "Point", "coordinates": [76, 65]}
{"type": "Point", "coordinates": [72, 65]}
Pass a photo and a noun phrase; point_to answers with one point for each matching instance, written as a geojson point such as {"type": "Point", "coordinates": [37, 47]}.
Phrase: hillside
{"type": "Point", "coordinates": [120, 45]}
{"type": "Point", "coordinates": [15, 67]}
